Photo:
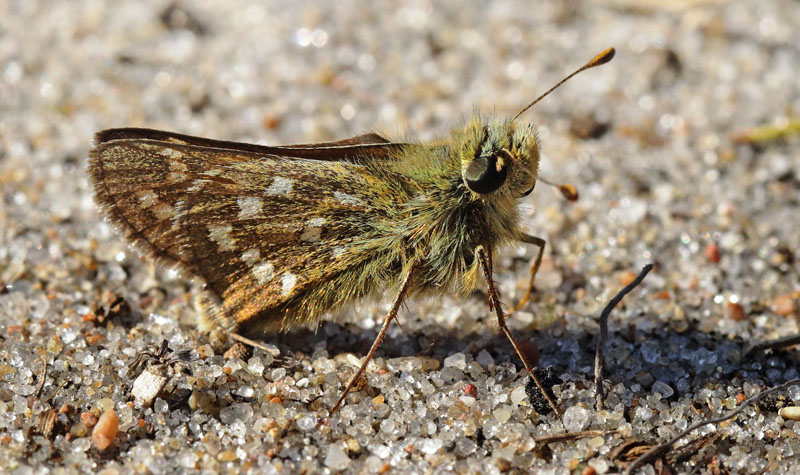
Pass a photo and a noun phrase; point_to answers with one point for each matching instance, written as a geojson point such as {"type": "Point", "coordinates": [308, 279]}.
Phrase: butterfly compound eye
{"type": "Point", "coordinates": [485, 174]}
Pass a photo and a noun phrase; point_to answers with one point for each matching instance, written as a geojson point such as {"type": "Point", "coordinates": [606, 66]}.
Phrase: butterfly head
{"type": "Point", "coordinates": [504, 160]}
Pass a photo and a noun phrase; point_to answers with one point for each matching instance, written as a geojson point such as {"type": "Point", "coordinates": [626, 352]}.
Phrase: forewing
{"type": "Point", "coordinates": [366, 147]}
{"type": "Point", "coordinates": [139, 184]}
{"type": "Point", "coordinates": [261, 230]}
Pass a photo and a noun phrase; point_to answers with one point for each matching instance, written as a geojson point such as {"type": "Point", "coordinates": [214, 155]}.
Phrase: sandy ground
{"type": "Point", "coordinates": [656, 141]}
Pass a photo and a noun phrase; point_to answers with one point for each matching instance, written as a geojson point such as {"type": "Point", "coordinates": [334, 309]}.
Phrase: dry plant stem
{"type": "Point", "coordinates": [547, 439]}
{"type": "Point", "coordinates": [43, 377]}
{"type": "Point", "coordinates": [601, 341]}
{"type": "Point", "coordinates": [650, 454]}
{"type": "Point", "coordinates": [485, 257]}
{"type": "Point", "coordinates": [59, 388]}
{"type": "Point", "coordinates": [253, 343]}
{"type": "Point", "coordinates": [378, 339]}
{"type": "Point", "coordinates": [540, 243]}
{"type": "Point", "coordinates": [767, 133]}
{"type": "Point", "coordinates": [773, 344]}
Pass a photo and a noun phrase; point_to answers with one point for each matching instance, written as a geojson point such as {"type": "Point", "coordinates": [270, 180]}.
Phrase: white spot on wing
{"type": "Point", "coordinates": [163, 211]}
{"type": "Point", "coordinates": [249, 206]}
{"type": "Point", "coordinates": [263, 271]}
{"type": "Point", "coordinates": [171, 153]}
{"type": "Point", "coordinates": [280, 186]}
{"type": "Point", "coordinates": [250, 256]}
{"type": "Point", "coordinates": [177, 166]}
{"type": "Point", "coordinates": [287, 284]}
{"type": "Point", "coordinates": [147, 198]}
{"type": "Point", "coordinates": [347, 199]}
{"type": "Point", "coordinates": [221, 234]}
{"type": "Point", "coordinates": [175, 177]}
{"type": "Point", "coordinates": [197, 185]}
{"type": "Point", "coordinates": [338, 251]}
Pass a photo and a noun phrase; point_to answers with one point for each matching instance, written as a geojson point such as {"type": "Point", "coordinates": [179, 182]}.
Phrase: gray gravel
{"type": "Point", "coordinates": [667, 182]}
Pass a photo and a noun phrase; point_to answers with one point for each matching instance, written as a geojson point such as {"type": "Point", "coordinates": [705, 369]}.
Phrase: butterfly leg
{"type": "Point", "coordinates": [378, 339]}
{"type": "Point", "coordinates": [540, 243]}
{"type": "Point", "coordinates": [254, 344]}
{"type": "Point", "coordinates": [484, 255]}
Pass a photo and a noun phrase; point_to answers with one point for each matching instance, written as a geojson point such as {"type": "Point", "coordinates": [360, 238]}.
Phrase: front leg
{"type": "Point", "coordinates": [539, 242]}
{"type": "Point", "coordinates": [485, 259]}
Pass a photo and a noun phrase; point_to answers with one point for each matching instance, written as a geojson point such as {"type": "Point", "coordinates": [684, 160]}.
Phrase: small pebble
{"type": "Point", "coordinates": [236, 412]}
{"type": "Point", "coordinates": [784, 305]}
{"type": "Point", "coordinates": [89, 419]}
{"type": "Point", "coordinates": [790, 413]}
{"type": "Point", "coordinates": [105, 430]}
{"type": "Point", "coordinates": [662, 388]}
{"type": "Point", "coordinates": [518, 394]}
{"type": "Point", "coordinates": [226, 456]}
{"type": "Point", "coordinates": [336, 458]}
{"type": "Point", "coordinates": [457, 360]}
{"type": "Point", "coordinates": [485, 359]}
{"type": "Point", "coordinates": [735, 311]}
{"type": "Point", "coordinates": [501, 415]}
{"type": "Point", "coordinates": [471, 390]}
{"type": "Point", "coordinates": [353, 446]}
{"type": "Point", "coordinates": [626, 277]}
{"type": "Point", "coordinates": [712, 252]}
{"type": "Point", "coordinates": [576, 418]}
{"type": "Point", "coordinates": [237, 350]}
{"type": "Point", "coordinates": [307, 423]}
{"type": "Point", "coordinates": [147, 386]}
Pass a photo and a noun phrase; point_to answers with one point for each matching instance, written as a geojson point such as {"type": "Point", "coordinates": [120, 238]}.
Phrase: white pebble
{"type": "Point", "coordinates": [576, 419]}
{"type": "Point", "coordinates": [662, 388]}
{"type": "Point", "coordinates": [336, 459]}
{"type": "Point", "coordinates": [457, 360]}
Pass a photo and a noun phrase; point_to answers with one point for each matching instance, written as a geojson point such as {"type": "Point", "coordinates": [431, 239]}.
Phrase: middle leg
{"type": "Point", "coordinates": [378, 339]}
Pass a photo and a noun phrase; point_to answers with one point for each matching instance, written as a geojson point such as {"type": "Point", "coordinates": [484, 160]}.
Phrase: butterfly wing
{"type": "Point", "coordinates": [276, 239]}
{"type": "Point", "coordinates": [366, 147]}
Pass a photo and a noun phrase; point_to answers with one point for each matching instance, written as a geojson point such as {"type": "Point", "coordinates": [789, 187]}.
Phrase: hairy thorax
{"type": "Point", "coordinates": [443, 228]}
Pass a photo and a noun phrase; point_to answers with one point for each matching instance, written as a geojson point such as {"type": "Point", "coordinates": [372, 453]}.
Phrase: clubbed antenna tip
{"type": "Point", "coordinates": [602, 58]}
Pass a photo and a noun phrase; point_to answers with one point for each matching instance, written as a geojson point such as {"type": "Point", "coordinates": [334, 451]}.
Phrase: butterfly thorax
{"type": "Point", "coordinates": [444, 220]}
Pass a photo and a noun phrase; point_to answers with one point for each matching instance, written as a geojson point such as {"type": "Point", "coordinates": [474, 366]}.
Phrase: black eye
{"type": "Point", "coordinates": [485, 174]}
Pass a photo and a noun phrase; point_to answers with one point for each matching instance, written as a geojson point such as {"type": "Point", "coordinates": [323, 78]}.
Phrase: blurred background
{"type": "Point", "coordinates": [684, 149]}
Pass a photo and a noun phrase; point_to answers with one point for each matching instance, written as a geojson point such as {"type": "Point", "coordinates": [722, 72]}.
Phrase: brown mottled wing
{"type": "Point", "coordinates": [261, 230]}
{"type": "Point", "coordinates": [369, 146]}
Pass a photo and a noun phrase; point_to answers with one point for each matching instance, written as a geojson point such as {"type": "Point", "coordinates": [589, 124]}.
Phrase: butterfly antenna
{"type": "Point", "coordinates": [601, 58]}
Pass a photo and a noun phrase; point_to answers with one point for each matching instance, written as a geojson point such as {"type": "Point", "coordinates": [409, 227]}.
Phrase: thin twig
{"type": "Point", "coordinates": [43, 377]}
{"type": "Point", "coordinates": [773, 344]}
{"type": "Point", "coordinates": [59, 388]}
{"type": "Point", "coordinates": [601, 341]}
{"type": "Point", "coordinates": [660, 448]}
{"type": "Point", "coordinates": [547, 439]}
